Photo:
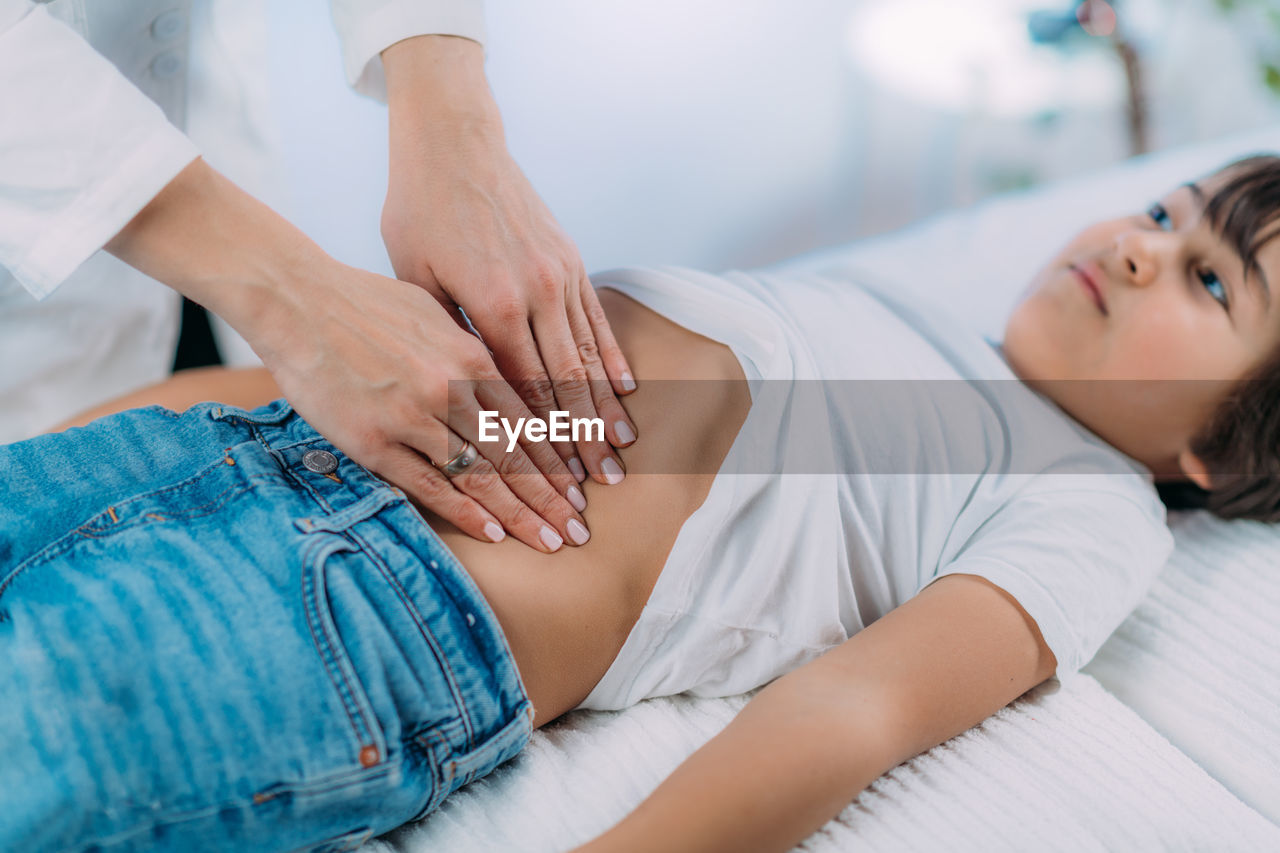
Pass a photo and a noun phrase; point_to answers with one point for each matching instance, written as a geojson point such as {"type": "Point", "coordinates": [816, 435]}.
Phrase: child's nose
{"type": "Point", "coordinates": [1139, 256]}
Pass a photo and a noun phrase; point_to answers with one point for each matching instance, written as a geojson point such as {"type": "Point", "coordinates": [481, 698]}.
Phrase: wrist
{"type": "Point", "coordinates": [439, 78]}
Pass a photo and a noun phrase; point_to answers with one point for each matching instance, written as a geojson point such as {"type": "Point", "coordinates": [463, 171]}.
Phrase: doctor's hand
{"type": "Point", "coordinates": [462, 221]}
{"type": "Point", "coordinates": [376, 365]}
{"type": "Point", "coordinates": [387, 375]}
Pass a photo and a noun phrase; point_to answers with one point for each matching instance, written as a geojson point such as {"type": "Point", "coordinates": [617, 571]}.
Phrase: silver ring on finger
{"type": "Point", "coordinates": [460, 461]}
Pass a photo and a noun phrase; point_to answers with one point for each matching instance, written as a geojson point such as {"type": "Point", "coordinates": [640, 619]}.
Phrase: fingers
{"type": "Point", "coordinates": [516, 354]}
{"type": "Point", "coordinates": [538, 390]}
{"type": "Point", "coordinates": [618, 424]}
{"type": "Point", "coordinates": [418, 477]}
{"type": "Point", "coordinates": [574, 394]}
{"type": "Point", "coordinates": [615, 363]}
{"type": "Point", "coordinates": [530, 350]}
{"type": "Point", "coordinates": [510, 486]}
{"type": "Point", "coordinates": [497, 396]}
{"type": "Point", "coordinates": [499, 492]}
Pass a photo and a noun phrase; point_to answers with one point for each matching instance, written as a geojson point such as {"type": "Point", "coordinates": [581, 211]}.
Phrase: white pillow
{"type": "Point", "coordinates": [975, 262]}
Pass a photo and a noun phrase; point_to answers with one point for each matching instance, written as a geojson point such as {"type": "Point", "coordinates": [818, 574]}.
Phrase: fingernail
{"type": "Point", "coordinates": [494, 531]}
{"type": "Point", "coordinates": [578, 532]}
{"type": "Point", "coordinates": [576, 469]}
{"type": "Point", "coordinates": [612, 471]}
{"type": "Point", "coordinates": [550, 538]}
{"type": "Point", "coordinates": [628, 384]}
{"type": "Point", "coordinates": [625, 434]}
{"type": "Point", "coordinates": [576, 498]}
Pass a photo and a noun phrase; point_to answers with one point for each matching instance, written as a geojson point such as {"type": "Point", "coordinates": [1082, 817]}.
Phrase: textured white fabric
{"type": "Point", "coordinates": [885, 485]}
{"type": "Point", "coordinates": [1066, 768]}
{"type": "Point", "coordinates": [1200, 657]}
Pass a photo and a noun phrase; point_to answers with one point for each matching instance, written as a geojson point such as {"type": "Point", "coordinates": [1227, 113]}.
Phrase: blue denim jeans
{"type": "Point", "coordinates": [207, 645]}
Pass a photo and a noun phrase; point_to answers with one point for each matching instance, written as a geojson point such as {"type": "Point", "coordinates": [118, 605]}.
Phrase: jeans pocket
{"type": "Point", "coordinates": [321, 608]}
{"type": "Point", "coordinates": [181, 675]}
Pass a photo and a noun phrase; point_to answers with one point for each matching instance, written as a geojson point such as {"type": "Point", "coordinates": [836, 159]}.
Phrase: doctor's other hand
{"type": "Point", "coordinates": [376, 365]}
{"type": "Point", "coordinates": [463, 222]}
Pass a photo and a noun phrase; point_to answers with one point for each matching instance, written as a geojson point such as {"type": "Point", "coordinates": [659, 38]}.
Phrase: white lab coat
{"type": "Point", "coordinates": [94, 98]}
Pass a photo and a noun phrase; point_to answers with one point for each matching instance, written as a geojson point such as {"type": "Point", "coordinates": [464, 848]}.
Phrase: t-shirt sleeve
{"type": "Point", "coordinates": [82, 150]}
{"type": "Point", "coordinates": [368, 27]}
{"type": "Point", "coordinates": [1077, 560]}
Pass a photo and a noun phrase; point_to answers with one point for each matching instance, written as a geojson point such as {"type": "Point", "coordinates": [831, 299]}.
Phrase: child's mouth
{"type": "Point", "coordinates": [1088, 278]}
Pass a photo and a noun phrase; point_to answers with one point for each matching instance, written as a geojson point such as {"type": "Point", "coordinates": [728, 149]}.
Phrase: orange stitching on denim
{"type": "Point", "coordinates": [111, 511]}
{"type": "Point", "coordinates": [54, 548]}
{"type": "Point", "coordinates": [207, 508]}
{"type": "Point", "coordinates": [324, 785]}
{"type": "Point", "coordinates": [325, 646]}
{"type": "Point", "coordinates": [424, 630]}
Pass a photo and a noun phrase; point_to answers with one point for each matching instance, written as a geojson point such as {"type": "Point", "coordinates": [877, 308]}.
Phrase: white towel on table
{"type": "Point", "coordinates": [1067, 767]}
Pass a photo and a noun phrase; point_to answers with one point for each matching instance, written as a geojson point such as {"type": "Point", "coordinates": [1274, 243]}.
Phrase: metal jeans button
{"type": "Point", "coordinates": [320, 461]}
{"type": "Point", "coordinates": [168, 25]}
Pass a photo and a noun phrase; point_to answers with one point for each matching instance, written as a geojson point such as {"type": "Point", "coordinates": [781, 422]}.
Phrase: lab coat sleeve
{"type": "Point", "coordinates": [368, 27]}
{"type": "Point", "coordinates": [81, 149]}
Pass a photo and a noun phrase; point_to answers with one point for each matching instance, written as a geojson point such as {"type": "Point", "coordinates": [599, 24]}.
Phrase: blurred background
{"type": "Point", "coordinates": [734, 133]}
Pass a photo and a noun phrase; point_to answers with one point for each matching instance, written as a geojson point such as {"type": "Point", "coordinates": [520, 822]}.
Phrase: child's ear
{"type": "Point", "coordinates": [1195, 470]}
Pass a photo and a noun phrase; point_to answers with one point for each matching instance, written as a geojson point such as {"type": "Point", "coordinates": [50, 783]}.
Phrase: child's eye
{"type": "Point", "coordinates": [1214, 285]}
{"type": "Point", "coordinates": [1160, 216]}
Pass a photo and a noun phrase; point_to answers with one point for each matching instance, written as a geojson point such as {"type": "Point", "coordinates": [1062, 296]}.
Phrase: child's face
{"type": "Point", "coordinates": [1174, 310]}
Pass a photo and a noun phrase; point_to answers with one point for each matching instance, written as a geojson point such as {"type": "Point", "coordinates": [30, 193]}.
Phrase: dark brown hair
{"type": "Point", "coordinates": [1240, 443]}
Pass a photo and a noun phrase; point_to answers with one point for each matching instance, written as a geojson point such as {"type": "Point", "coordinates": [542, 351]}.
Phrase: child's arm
{"type": "Point", "coordinates": [247, 388]}
{"type": "Point", "coordinates": [808, 743]}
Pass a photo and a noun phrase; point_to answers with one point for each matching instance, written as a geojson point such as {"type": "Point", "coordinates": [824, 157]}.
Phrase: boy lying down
{"type": "Point", "coordinates": [221, 632]}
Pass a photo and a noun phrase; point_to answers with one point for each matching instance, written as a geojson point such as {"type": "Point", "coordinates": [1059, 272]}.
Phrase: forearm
{"type": "Point", "coordinates": [794, 757]}
{"type": "Point", "coordinates": [935, 666]}
{"type": "Point", "coordinates": [379, 367]}
{"type": "Point", "coordinates": [214, 243]}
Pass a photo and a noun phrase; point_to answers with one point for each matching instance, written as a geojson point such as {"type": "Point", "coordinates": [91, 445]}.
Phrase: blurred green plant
{"type": "Point", "coordinates": [1267, 11]}
{"type": "Point", "coordinates": [1078, 22]}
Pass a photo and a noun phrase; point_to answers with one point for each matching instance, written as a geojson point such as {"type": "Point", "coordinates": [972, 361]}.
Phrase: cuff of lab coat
{"type": "Point", "coordinates": [81, 150]}
{"type": "Point", "coordinates": [364, 37]}
{"type": "Point", "coordinates": [103, 209]}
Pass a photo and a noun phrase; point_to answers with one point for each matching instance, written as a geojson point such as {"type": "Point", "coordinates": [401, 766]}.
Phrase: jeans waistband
{"type": "Point", "coordinates": [344, 491]}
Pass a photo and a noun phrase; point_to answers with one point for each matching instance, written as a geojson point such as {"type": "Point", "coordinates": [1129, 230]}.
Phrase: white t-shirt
{"type": "Point", "coordinates": [885, 447]}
